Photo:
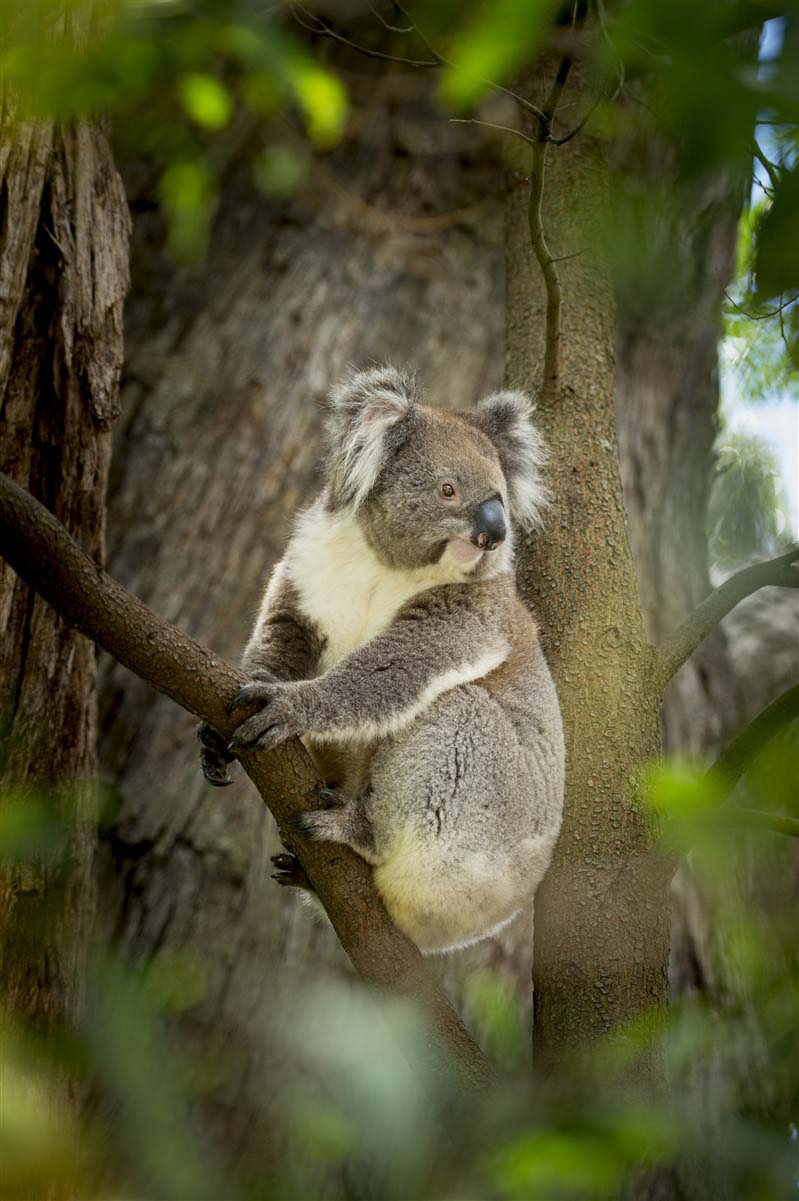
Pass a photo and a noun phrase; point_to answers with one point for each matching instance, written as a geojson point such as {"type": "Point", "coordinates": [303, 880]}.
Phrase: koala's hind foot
{"type": "Point", "coordinates": [214, 756]}
{"type": "Point", "coordinates": [290, 872]}
{"type": "Point", "coordinates": [345, 821]}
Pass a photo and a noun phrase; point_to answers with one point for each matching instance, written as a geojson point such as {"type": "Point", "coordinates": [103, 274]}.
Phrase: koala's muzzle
{"type": "Point", "coordinates": [490, 527]}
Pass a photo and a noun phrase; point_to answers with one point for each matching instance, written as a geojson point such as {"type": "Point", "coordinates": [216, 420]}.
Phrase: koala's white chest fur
{"type": "Point", "coordinates": [343, 587]}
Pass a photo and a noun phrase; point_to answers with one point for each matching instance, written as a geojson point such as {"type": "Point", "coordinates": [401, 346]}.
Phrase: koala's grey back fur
{"type": "Point", "coordinates": [403, 655]}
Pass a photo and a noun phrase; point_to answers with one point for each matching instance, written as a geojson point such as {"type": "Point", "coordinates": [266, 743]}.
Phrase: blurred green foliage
{"type": "Point", "coordinates": [761, 322]}
{"type": "Point", "coordinates": [173, 77]}
{"type": "Point", "coordinates": [180, 77]}
{"type": "Point", "coordinates": [351, 1102]}
{"type": "Point", "coordinates": [747, 516]}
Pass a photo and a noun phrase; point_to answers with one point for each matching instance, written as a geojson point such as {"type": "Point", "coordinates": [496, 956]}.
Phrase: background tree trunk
{"type": "Point", "coordinates": [667, 400]}
{"type": "Point", "coordinates": [602, 914]}
{"type": "Point", "coordinates": [63, 276]}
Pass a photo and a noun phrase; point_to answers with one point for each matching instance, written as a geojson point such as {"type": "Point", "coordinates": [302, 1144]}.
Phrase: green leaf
{"type": "Point", "coordinates": [777, 252]}
{"type": "Point", "coordinates": [205, 100]}
{"type": "Point", "coordinates": [187, 192]}
{"type": "Point", "coordinates": [279, 171]}
{"type": "Point", "coordinates": [323, 101]}
{"type": "Point", "coordinates": [502, 37]}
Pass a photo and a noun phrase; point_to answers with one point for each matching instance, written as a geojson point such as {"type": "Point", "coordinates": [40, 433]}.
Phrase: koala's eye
{"type": "Point", "coordinates": [448, 490]}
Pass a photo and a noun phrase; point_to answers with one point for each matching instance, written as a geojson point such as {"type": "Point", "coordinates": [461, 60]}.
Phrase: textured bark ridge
{"type": "Point", "coordinates": [63, 276]}
{"type": "Point", "coordinates": [602, 921]}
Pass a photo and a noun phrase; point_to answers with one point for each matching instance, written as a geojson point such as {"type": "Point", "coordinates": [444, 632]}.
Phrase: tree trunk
{"type": "Point", "coordinates": [602, 912]}
{"type": "Point", "coordinates": [63, 276]}
{"type": "Point", "coordinates": [667, 400]}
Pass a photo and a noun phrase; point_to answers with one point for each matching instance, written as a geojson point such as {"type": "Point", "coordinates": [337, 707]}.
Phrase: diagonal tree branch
{"type": "Point", "coordinates": [736, 757]}
{"type": "Point", "coordinates": [670, 655]}
{"type": "Point", "coordinates": [42, 553]}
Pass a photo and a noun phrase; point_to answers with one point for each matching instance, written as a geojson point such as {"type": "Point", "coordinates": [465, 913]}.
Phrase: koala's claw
{"type": "Point", "coordinates": [290, 873]}
{"type": "Point", "coordinates": [214, 756]}
{"type": "Point", "coordinates": [249, 695]}
{"type": "Point", "coordinates": [254, 732]}
{"type": "Point", "coordinates": [328, 794]}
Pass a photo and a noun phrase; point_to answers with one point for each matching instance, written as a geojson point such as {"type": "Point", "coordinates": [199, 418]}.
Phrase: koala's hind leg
{"type": "Point", "coordinates": [290, 872]}
{"type": "Point", "coordinates": [346, 821]}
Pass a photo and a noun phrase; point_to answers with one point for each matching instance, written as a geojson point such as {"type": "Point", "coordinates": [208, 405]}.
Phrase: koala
{"type": "Point", "coordinates": [392, 641]}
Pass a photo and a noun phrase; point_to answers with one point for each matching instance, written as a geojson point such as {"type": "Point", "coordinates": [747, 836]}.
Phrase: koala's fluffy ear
{"type": "Point", "coordinates": [506, 417]}
{"type": "Point", "coordinates": [370, 413]}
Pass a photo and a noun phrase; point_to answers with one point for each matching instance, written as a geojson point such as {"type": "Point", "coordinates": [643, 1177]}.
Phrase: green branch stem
{"type": "Point", "coordinates": [546, 262]}
{"type": "Point", "coordinates": [735, 759]}
{"type": "Point", "coordinates": [669, 656]}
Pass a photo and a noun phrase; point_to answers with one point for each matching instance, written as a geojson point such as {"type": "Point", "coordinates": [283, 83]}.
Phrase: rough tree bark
{"type": "Point", "coordinates": [602, 913]}
{"type": "Point", "coordinates": [64, 229]}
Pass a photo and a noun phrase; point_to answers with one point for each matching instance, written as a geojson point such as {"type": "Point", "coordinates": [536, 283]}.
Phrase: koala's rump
{"type": "Point", "coordinates": [463, 822]}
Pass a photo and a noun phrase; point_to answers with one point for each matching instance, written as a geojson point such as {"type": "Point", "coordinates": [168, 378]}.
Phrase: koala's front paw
{"type": "Point", "coordinates": [214, 756]}
{"type": "Point", "coordinates": [281, 714]}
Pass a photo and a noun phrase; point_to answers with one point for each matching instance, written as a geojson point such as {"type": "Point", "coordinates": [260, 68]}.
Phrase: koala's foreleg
{"type": "Point", "coordinates": [438, 641]}
{"type": "Point", "coordinates": [283, 646]}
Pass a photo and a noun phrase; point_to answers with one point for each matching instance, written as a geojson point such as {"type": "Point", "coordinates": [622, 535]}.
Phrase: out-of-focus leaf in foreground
{"type": "Point", "coordinates": [499, 38]}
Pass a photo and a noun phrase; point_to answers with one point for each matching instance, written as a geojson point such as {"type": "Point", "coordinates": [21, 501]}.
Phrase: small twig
{"type": "Point", "coordinates": [492, 125]}
{"type": "Point", "coordinates": [581, 124]}
{"type": "Point", "coordinates": [673, 652]}
{"type": "Point", "coordinates": [768, 166]}
{"type": "Point", "coordinates": [784, 304]}
{"type": "Point", "coordinates": [575, 254]}
{"type": "Point", "coordinates": [318, 26]}
{"type": "Point", "coordinates": [544, 258]}
{"type": "Point", "coordinates": [387, 24]}
{"type": "Point", "coordinates": [793, 357]}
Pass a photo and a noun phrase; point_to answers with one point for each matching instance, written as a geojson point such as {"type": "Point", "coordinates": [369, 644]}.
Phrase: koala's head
{"type": "Point", "coordinates": [427, 484]}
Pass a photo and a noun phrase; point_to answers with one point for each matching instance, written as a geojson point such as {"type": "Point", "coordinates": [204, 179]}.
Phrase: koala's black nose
{"type": "Point", "coordinates": [490, 528]}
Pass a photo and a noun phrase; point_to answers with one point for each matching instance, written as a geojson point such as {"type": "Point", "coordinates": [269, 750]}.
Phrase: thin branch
{"type": "Point", "coordinates": [765, 163]}
{"type": "Point", "coordinates": [546, 262]}
{"type": "Point", "coordinates": [581, 124]}
{"type": "Point", "coordinates": [679, 646]}
{"type": "Point", "coordinates": [781, 307]}
{"type": "Point", "coordinates": [43, 554]}
{"type": "Point", "coordinates": [316, 25]}
{"type": "Point", "coordinates": [521, 100]}
{"type": "Point", "coordinates": [736, 757]}
{"type": "Point", "coordinates": [793, 357]}
{"type": "Point", "coordinates": [447, 62]}
{"type": "Point", "coordinates": [387, 24]}
{"type": "Point", "coordinates": [492, 125]}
